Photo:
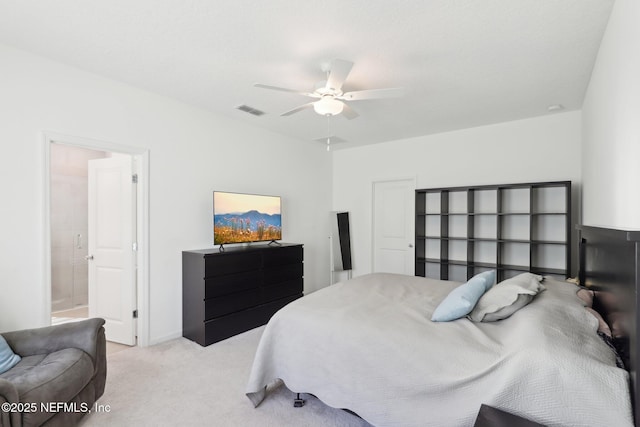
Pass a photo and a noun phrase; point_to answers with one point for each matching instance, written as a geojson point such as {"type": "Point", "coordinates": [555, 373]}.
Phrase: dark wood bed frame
{"type": "Point", "coordinates": [610, 262]}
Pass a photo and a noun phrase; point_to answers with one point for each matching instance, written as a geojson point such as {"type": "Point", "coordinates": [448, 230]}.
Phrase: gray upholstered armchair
{"type": "Point", "coordinates": [61, 364]}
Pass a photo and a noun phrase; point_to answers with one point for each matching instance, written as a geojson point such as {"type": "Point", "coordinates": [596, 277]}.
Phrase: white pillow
{"type": "Point", "coordinates": [507, 297]}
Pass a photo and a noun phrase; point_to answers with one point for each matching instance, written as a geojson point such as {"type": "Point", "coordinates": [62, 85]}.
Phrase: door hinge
{"type": "Point", "coordinates": [135, 314]}
{"type": "Point", "coordinates": [134, 178]}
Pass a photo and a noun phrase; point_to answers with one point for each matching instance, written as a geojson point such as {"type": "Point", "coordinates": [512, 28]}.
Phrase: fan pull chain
{"type": "Point", "coordinates": [328, 134]}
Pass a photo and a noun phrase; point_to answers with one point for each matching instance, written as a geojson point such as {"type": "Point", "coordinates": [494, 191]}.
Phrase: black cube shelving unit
{"type": "Point", "coordinates": [512, 228]}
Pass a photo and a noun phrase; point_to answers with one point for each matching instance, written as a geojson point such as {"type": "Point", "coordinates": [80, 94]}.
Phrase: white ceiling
{"type": "Point", "coordinates": [462, 63]}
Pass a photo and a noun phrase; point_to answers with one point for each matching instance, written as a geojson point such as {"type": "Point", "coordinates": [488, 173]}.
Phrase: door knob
{"type": "Point", "coordinates": [410, 245]}
{"type": "Point", "coordinates": [88, 257]}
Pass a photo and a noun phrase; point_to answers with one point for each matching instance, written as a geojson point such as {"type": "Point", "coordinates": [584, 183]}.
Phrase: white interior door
{"type": "Point", "coordinates": [110, 239]}
{"type": "Point", "coordinates": [393, 226]}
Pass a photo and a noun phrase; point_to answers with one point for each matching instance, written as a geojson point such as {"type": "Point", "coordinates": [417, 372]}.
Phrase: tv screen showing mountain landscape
{"type": "Point", "coordinates": [245, 218]}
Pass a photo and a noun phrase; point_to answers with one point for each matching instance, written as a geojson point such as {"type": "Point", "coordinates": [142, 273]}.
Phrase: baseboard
{"type": "Point", "coordinates": [172, 336]}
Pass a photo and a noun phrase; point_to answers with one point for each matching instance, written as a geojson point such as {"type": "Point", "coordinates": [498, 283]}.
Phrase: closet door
{"type": "Point", "coordinates": [393, 220]}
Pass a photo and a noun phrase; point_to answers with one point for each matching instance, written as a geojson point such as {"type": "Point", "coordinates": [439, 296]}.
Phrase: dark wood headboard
{"type": "Point", "coordinates": [610, 262]}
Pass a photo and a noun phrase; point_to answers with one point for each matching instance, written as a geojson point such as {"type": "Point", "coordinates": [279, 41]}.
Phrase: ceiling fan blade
{"type": "Point", "coordinates": [349, 113]}
{"type": "Point", "coordinates": [359, 95]}
{"type": "Point", "coordinates": [297, 109]}
{"type": "Point", "coordinates": [340, 69]}
{"type": "Point", "coordinates": [284, 89]}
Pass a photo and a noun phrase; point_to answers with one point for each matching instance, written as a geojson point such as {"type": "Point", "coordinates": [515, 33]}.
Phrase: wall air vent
{"type": "Point", "coordinates": [250, 110]}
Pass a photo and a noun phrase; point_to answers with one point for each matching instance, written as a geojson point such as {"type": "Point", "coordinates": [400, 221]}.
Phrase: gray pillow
{"type": "Point", "coordinates": [507, 297]}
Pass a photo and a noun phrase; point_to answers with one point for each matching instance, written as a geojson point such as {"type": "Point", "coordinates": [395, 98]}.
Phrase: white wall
{"type": "Point", "coordinates": [192, 152]}
{"type": "Point", "coordinates": [611, 125]}
{"type": "Point", "coordinates": [539, 149]}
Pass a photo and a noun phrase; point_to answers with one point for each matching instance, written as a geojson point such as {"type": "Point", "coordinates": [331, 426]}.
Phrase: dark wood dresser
{"type": "Point", "coordinates": [226, 293]}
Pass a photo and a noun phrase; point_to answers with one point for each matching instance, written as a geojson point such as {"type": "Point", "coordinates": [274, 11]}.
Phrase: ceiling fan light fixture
{"type": "Point", "coordinates": [328, 106]}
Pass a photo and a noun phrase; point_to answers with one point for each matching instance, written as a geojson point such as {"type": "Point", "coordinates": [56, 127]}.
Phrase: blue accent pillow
{"type": "Point", "coordinates": [8, 359]}
{"type": "Point", "coordinates": [462, 299]}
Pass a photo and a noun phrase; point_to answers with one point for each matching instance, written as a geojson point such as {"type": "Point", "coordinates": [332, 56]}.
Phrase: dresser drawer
{"type": "Point", "coordinates": [224, 264]}
{"type": "Point", "coordinates": [283, 274]}
{"type": "Point", "coordinates": [232, 283]}
{"type": "Point", "coordinates": [219, 306]}
{"type": "Point", "coordinates": [281, 256]}
{"type": "Point", "coordinates": [224, 327]}
{"type": "Point", "coordinates": [286, 289]}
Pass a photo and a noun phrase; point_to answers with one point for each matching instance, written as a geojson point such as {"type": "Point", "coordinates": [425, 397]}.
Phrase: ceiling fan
{"type": "Point", "coordinates": [330, 97]}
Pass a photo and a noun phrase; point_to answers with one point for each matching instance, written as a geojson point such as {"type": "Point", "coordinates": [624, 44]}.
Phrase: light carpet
{"type": "Point", "coordinates": [181, 383]}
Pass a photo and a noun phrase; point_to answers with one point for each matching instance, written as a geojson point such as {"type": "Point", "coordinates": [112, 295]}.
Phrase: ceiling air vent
{"type": "Point", "coordinates": [250, 110]}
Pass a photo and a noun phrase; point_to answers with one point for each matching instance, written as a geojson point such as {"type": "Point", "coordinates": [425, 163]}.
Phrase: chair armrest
{"type": "Point", "coordinates": [83, 335]}
{"type": "Point", "coordinates": [9, 394]}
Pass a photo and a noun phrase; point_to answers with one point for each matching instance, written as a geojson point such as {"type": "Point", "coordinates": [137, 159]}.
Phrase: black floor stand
{"type": "Point", "coordinates": [298, 402]}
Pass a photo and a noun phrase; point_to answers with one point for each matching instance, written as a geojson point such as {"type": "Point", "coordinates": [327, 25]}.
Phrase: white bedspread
{"type": "Point", "coordinates": [368, 345]}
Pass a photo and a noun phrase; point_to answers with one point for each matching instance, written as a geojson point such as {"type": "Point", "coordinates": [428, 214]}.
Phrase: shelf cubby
{"type": "Point", "coordinates": [457, 273]}
{"type": "Point", "coordinates": [516, 227]}
{"type": "Point", "coordinates": [485, 201]}
{"type": "Point", "coordinates": [515, 200]}
{"type": "Point", "coordinates": [458, 226]}
{"type": "Point", "coordinates": [485, 226]}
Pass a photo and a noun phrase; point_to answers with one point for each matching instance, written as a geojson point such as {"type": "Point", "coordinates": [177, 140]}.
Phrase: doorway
{"type": "Point", "coordinates": [393, 226]}
{"type": "Point", "coordinates": [69, 233]}
{"type": "Point", "coordinates": [71, 239]}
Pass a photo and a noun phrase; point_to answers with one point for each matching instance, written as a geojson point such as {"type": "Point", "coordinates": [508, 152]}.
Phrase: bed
{"type": "Point", "coordinates": [368, 345]}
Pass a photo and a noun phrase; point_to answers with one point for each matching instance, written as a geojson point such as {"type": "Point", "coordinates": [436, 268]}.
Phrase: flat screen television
{"type": "Point", "coordinates": [244, 218]}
